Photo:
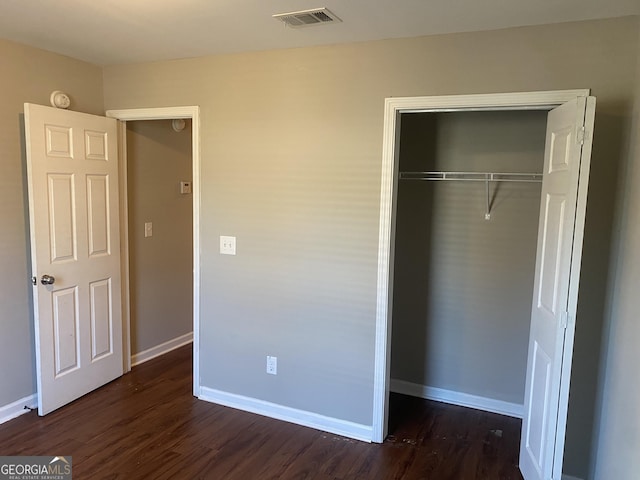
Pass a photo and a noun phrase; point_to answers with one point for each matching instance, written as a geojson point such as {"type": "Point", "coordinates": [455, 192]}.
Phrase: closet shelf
{"type": "Point", "coordinates": [473, 176]}
{"type": "Point", "coordinates": [486, 177]}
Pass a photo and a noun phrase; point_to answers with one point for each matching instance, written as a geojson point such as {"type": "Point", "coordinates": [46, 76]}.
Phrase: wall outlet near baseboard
{"type": "Point", "coordinates": [272, 365]}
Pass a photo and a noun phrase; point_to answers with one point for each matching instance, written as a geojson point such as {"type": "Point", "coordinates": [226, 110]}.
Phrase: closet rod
{"type": "Point", "coordinates": [473, 176]}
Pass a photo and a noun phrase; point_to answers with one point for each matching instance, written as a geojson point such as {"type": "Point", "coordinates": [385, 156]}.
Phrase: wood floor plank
{"type": "Point", "coordinates": [147, 425]}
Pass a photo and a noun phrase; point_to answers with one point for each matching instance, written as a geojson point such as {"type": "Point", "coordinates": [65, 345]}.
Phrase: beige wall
{"type": "Point", "coordinates": [618, 446]}
{"type": "Point", "coordinates": [291, 157]}
{"type": "Point", "coordinates": [27, 75]}
{"type": "Point", "coordinates": [160, 266]}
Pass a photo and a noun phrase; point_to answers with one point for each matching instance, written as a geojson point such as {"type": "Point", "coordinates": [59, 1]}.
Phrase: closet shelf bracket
{"type": "Point", "coordinates": [487, 212]}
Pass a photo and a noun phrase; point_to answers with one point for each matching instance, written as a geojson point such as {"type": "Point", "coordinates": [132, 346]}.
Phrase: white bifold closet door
{"type": "Point", "coordinates": [560, 232]}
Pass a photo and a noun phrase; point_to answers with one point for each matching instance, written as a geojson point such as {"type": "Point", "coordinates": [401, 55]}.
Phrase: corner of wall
{"type": "Point", "coordinates": [624, 203]}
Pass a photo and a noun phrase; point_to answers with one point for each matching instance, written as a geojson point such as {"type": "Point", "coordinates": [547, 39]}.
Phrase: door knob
{"type": "Point", "coordinates": [47, 280]}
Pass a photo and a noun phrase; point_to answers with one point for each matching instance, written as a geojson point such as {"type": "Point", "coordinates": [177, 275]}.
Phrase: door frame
{"type": "Point", "coordinates": [160, 113]}
{"type": "Point", "coordinates": [544, 100]}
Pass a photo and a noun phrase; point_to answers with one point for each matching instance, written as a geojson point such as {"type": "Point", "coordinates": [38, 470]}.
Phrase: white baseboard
{"type": "Point", "coordinates": [17, 408]}
{"type": "Point", "coordinates": [288, 414]}
{"type": "Point", "coordinates": [161, 349]}
{"type": "Point", "coordinates": [457, 398]}
{"type": "Point", "coordinates": [569, 477]}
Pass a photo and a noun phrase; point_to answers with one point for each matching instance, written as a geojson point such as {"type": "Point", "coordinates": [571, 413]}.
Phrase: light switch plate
{"type": "Point", "coordinates": [185, 187]}
{"type": "Point", "coordinates": [227, 245]}
{"type": "Point", "coordinates": [148, 229]}
{"type": "Point", "coordinates": [272, 365]}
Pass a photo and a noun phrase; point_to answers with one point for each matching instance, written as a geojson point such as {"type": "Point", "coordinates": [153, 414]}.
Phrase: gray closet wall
{"type": "Point", "coordinates": [462, 284]}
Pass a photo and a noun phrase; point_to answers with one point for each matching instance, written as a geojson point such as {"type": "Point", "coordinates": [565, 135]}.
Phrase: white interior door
{"type": "Point", "coordinates": [72, 169]}
{"type": "Point", "coordinates": [560, 231]}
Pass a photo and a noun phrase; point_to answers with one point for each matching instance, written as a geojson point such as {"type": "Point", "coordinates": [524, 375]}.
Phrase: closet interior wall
{"type": "Point", "coordinates": [462, 284]}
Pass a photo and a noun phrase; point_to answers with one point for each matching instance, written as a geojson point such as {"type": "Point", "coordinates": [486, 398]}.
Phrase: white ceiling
{"type": "Point", "coordinates": [108, 32]}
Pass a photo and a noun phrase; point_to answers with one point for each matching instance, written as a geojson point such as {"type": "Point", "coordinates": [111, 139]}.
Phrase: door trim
{"type": "Point", "coordinates": [163, 113]}
{"type": "Point", "coordinates": [544, 100]}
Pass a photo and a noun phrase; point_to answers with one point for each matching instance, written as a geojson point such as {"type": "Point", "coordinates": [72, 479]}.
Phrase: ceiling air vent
{"type": "Point", "coordinates": [306, 18]}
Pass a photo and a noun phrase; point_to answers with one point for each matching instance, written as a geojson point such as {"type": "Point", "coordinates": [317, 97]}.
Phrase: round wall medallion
{"type": "Point", "coordinates": [60, 99]}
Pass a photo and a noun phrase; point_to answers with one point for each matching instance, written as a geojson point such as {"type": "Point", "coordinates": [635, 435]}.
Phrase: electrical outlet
{"type": "Point", "coordinates": [272, 365]}
{"type": "Point", "coordinates": [227, 245]}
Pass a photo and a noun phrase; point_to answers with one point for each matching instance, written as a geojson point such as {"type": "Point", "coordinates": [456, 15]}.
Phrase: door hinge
{"type": "Point", "coordinates": [564, 320]}
{"type": "Point", "coordinates": [580, 134]}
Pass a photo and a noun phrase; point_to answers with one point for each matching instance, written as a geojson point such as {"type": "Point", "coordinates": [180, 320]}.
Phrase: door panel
{"type": "Point", "coordinates": [556, 276]}
{"type": "Point", "coordinates": [73, 193]}
{"type": "Point", "coordinates": [561, 144]}
{"type": "Point", "coordinates": [101, 319]}
{"type": "Point", "coordinates": [551, 254]}
{"type": "Point", "coordinates": [66, 326]}
{"type": "Point", "coordinates": [59, 141]}
{"type": "Point", "coordinates": [98, 214]}
{"type": "Point", "coordinates": [62, 223]}
{"type": "Point", "coordinates": [540, 379]}
{"type": "Point", "coordinates": [95, 145]}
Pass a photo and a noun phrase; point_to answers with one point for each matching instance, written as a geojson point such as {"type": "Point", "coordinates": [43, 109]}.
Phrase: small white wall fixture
{"type": "Point", "coordinates": [162, 113]}
{"type": "Point", "coordinates": [389, 177]}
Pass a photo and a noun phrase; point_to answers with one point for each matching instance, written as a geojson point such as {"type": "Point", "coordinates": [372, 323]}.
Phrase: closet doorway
{"type": "Point", "coordinates": [562, 170]}
{"type": "Point", "coordinates": [468, 202]}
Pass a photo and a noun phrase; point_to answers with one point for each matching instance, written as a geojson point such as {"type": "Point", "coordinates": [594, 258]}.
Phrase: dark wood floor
{"type": "Point", "coordinates": [147, 425]}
